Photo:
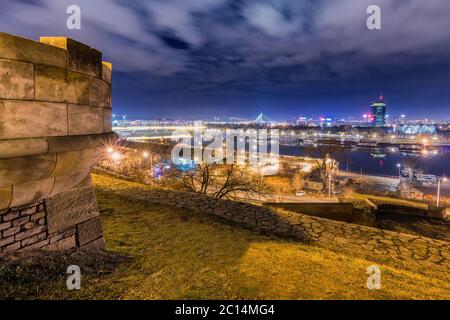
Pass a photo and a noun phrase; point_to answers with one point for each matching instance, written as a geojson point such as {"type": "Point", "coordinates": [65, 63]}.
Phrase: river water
{"type": "Point", "coordinates": [356, 160]}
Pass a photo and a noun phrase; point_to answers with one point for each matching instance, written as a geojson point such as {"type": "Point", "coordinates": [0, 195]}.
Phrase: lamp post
{"type": "Point", "coordinates": [439, 190]}
{"type": "Point", "coordinates": [399, 172]}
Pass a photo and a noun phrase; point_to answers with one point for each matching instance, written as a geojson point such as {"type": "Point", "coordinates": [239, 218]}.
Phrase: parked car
{"type": "Point", "coordinates": [300, 194]}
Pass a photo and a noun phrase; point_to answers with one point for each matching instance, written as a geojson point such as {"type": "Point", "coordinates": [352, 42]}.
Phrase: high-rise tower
{"type": "Point", "coordinates": [379, 112]}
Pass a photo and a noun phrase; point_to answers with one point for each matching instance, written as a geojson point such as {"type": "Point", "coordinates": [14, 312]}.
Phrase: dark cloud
{"type": "Point", "coordinates": [181, 56]}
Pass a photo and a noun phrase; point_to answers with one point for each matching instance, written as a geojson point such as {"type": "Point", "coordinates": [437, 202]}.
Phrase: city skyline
{"type": "Point", "coordinates": [222, 58]}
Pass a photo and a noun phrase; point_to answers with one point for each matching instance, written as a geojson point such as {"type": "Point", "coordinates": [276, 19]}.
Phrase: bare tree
{"type": "Point", "coordinates": [323, 157]}
{"type": "Point", "coordinates": [223, 181]}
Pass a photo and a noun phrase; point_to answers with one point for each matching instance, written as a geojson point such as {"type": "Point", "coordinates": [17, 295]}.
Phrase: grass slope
{"type": "Point", "coordinates": [177, 254]}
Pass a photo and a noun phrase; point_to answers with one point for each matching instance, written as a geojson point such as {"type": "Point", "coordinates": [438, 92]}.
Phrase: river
{"type": "Point", "coordinates": [356, 160]}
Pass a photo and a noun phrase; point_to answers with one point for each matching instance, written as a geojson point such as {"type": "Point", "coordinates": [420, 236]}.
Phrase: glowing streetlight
{"type": "Point", "coordinates": [399, 172]}
{"type": "Point", "coordinates": [110, 150]}
{"type": "Point", "coordinates": [116, 156]}
{"type": "Point", "coordinates": [145, 154]}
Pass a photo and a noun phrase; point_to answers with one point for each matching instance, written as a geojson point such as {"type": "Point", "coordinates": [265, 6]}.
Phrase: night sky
{"type": "Point", "coordinates": [205, 58]}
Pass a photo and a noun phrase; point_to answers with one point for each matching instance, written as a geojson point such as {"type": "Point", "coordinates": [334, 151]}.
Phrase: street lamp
{"type": "Point", "coordinates": [439, 190]}
{"type": "Point", "coordinates": [399, 172]}
{"type": "Point", "coordinates": [116, 156]}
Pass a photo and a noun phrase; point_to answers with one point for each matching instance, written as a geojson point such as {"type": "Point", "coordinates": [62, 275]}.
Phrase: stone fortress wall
{"type": "Point", "coordinates": [55, 119]}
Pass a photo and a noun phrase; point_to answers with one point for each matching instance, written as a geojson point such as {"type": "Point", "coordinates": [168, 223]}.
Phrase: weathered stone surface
{"type": "Point", "coordinates": [59, 85]}
{"type": "Point", "coordinates": [24, 119]}
{"type": "Point", "coordinates": [107, 120]}
{"type": "Point", "coordinates": [22, 148]}
{"type": "Point", "coordinates": [16, 48]}
{"type": "Point", "coordinates": [70, 208]}
{"type": "Point", "coordinates": [75, 161]}
{"type": "Point", "coordinates": [99, 93]}
{"type": "Point", "coordinates": [96, 245]}
{"type": "Point", "coordinates": [20, 170]}
{"type": "Point", "coordinates": [33, 239]}
{"type": "Point", "coordinates": [16, 80]}
{"type": "Point", "coordinates": [4, 226]}
{"type": "Point", "coordinates": [69, 143]}
{"type": "Point", "coordinates": [89, 231]}
{"type": "Point", "coordinates": [29, 233]}
{"type": "Point", "coordinates": [80, 57]}
{"type": "Point", "coordinates": [85, 120]}
{"type": "Point", "coordinates": [63, 244]}
{"type": "Point", "coordinates": [31, 192]}
{"type": "Point", "coordinates": [63, 234]}
{"type": "Point", "coordinates": [67, 182]}
{"type": "Point", "coordinates": [49, 139]}
{"type": "Point", "coordinates": [107, 71]}
{"type": "Point", "coordinates": [6, 241]}
{"type": "Point", "coordinates": [5, 197]}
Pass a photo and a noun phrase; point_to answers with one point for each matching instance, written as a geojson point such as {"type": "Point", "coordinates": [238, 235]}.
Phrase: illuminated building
{"type": "Point", "coordinates": [379, 112]}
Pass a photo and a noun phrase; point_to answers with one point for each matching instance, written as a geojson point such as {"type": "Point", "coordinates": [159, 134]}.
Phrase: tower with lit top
{"type": "Point", "coordinates": [379, 112]}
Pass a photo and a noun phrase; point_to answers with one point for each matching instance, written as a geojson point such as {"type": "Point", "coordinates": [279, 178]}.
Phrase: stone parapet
{"type": "Point", "coordinates": [55, 121]}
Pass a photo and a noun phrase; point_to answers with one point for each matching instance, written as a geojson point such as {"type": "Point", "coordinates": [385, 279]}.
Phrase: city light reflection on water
{"type": "Point", "coordinates": [356, 160]}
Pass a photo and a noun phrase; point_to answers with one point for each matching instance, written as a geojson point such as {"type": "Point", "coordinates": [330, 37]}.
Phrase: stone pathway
{"type": "Point", "coordinates": [378, 245]}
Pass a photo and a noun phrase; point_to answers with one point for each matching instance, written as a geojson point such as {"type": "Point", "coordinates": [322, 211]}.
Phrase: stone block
{"type": "Point", "coordinates": [11, 232]}
{"type": "Point", "coordinates": [89, 231]}
{"type": "Point", "coordinates": [59, 85]}
{"type": "Point", "coordinates": [80, 57]}
{"type": "Point", "coordinates": [63, 244]}
{"type": "Point", "coordinates": [21, 221]}
{"type": "Point", "coordinates": [16, 80]}
{"type": "Point", "coordinates": [37, 216]}
{"type": "Point", "coordinates": [34, 239]}
{"type": "Point", "coordinates": [20, 170]}
{"type": "Point", "coordinates": [12, 247]}
{"type": "Point", "coordinates": [5, 225]}
{"type": "Point", "coordinates": [94, 246]}
{"type": "Point", "coordinates": [107, 120]}
{"type": "Point", "coordinates": [11, 216]}
{"type": "Point", "coordinates": [84, 120]}
{"type": "Point", "coordinates": [61, 235]}
{"type": "Point", "coordinates": [70, 208]}
{"type": "Point", "coordinates": [6, 241]}
{"type": "Point", "coordinates": [79, 142]}
{"type": "Point", "coordinates": [38, 245]}
{"type": "Point", "coordinates": [28, 211]}
{"type": "Point", "coordinates": [32, 119]}
{"type": "Point", "coordinates": [22, 148]}
{"type": "Point", "coordinates": [31, 192]}
{"type": "Point", "coordinates": [99, 93]}
{"type": "Point", "coordinates": [5, 197]}
{"type": "Point", "coordinates": [73, 161]}
{"type": "Point", "coordinates": [66, 182]}
{"type": "Point", "coordinates": [16, 48]}
{"type": "Point", "coordinates": [29, 233]}
{"type": "Point", "coordinates": [107, 71]}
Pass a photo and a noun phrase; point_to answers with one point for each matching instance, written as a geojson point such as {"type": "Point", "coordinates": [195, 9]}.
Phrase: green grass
{"type": "Point", "coordinates": [388, 200]}
{"type": "Point", "coordinates": [177, 254]}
